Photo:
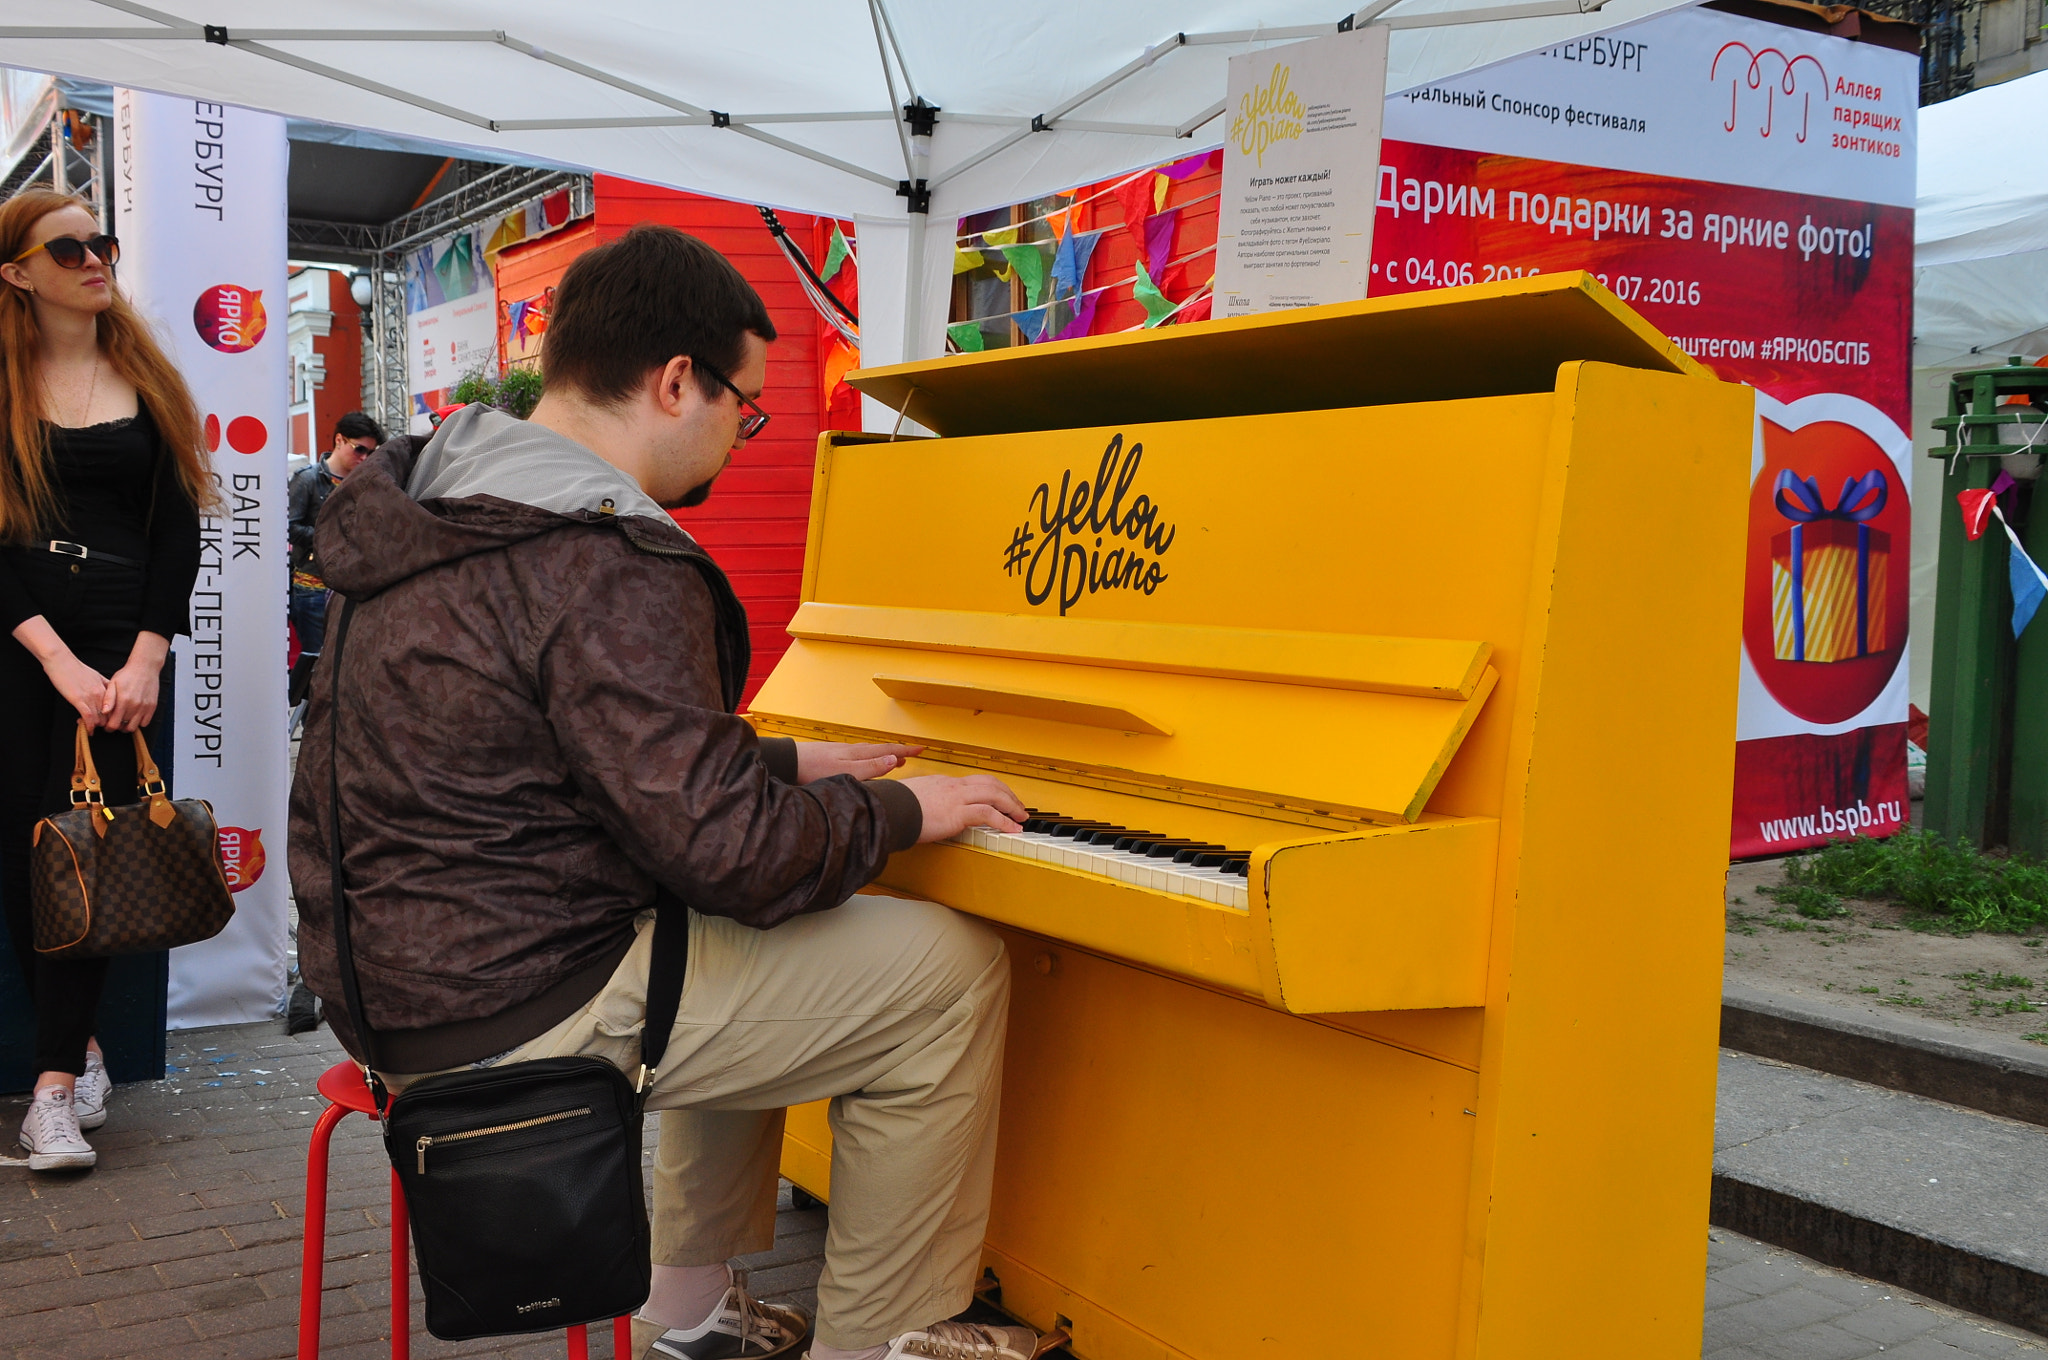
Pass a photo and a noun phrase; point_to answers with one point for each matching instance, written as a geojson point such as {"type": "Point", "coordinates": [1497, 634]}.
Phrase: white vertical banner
{"type": "Point", "coordinates": [1301, 157]}
{"type": "Point", "coordinates": [199, 197]}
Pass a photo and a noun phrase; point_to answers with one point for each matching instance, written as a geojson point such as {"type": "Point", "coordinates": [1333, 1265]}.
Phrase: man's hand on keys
{"type": "Point", "coordinates": [951, 805]}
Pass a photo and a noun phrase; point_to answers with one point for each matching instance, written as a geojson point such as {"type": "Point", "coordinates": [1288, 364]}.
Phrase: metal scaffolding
{"type": "Point", "coordinates": [481, 191]}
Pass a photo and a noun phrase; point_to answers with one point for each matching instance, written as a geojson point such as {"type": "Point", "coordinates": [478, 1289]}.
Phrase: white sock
{"type": "Point", "coordinates": [821, 1351]}
{"type": "Point", "coordinates": [684, 1297]}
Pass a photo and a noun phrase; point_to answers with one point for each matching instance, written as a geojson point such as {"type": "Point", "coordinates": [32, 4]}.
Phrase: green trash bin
{"type": "Point", "coordinates": [1987, 750]}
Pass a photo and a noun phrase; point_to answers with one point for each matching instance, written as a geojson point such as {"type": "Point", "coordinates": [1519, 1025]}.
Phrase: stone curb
{"type": "Point", "coordinates": [1985, 1072]}
{"type": "Point", "coordinates": [1954, 1275]}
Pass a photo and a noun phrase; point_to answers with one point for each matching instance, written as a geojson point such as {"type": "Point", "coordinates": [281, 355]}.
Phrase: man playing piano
{"type": "Point", "coordinates": [539, 692]}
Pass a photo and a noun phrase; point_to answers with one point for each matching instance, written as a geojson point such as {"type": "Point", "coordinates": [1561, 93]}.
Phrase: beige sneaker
{"type": "Point", "coordinates": [964, 1341]}
{"type": "Point", "coordinates": [50, 1133]}
{"type": "Point", "coordinates": [89, 1097]}
{"type": "Point", "coordinates": [742, 1327]}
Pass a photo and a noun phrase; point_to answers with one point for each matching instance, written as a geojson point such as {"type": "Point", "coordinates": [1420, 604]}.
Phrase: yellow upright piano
{"type": "Point", "coordinates": [1372, 670]}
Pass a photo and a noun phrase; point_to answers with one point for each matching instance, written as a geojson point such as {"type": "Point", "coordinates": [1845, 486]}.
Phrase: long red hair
{"type": "Point", "coordinates": [28, 506]}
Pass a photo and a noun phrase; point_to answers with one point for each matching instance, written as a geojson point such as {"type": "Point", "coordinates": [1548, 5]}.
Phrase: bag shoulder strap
{"type": "Point", "coordinates": [671, 949]}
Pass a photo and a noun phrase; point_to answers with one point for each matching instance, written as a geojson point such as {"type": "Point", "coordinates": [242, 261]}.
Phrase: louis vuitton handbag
{"type": "Point", "coordinates": [126, 880]}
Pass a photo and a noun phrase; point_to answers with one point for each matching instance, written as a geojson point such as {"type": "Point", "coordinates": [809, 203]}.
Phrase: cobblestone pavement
{"type": "Point", "coordinates": [184, 1243]}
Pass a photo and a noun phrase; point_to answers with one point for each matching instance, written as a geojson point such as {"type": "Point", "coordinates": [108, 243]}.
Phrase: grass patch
{"type": "Point", "coordinates": [1949, 885]}
{"type": "Point", "coordinates": [1814, 903]}
{"type": "Point", "coordinates": [2039, 1036]}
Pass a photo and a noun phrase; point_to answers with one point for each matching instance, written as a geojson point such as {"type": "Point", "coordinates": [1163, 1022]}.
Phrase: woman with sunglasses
{"type": "Point", "coordinates": [102, 473]}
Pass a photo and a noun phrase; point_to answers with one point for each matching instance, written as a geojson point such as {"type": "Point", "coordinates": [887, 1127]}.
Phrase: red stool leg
{"type": "Point", "coordinates": [313, 1255]}
{"type": "Point", "coordinates": [401, 1276]}
{"type": "Point", "coordinates": [622, 1338]}
{"type": "Point", "coordinates": [579, 1342]}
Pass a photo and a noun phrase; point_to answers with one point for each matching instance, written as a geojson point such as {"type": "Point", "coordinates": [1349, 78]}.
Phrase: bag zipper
{"type": "Point", "coordinates": [428, 1140]}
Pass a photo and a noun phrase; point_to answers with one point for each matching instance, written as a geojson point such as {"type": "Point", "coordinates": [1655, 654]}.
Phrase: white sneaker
{"type": "Point", "coordinates": [50, 1133]}
{"type": "Point", "coordinates": [742, 1327]}
{"type": "Point", "coordinates": [964, 1341]}
{"type": "Point", "coordinates": [89, 1097]}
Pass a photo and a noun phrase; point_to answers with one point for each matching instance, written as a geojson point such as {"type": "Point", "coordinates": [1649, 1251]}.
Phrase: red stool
{"type": "Point", "coordinates": [347, 1093]}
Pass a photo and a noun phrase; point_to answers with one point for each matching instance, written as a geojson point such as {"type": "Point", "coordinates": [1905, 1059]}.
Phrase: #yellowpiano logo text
{"type": "Point", "coordinates": [1051, 548]}
{"type": "Point", "coordinates": [1267, 114]}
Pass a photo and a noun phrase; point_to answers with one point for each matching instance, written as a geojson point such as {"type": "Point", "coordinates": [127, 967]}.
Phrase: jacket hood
{"type": "Point", "coordinates": [483, 482]}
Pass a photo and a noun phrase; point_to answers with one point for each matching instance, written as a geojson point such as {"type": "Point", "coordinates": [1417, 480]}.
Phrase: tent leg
{"type": "Point", "coordinates": [913, 289]}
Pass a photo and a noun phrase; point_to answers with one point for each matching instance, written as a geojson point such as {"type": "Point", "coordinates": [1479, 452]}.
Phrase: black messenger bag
{"type": "Point", "coordinates": [523, 1181]}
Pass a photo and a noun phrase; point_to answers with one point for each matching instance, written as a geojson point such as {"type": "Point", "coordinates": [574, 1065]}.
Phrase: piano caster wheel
{"type": "Point", "coordinates": [800, 1198]}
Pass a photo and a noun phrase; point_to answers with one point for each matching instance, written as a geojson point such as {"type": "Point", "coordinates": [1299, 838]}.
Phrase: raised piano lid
{"type": "Point", "coordinates": [1232, 685]}
{"type": "Point", "coordinates": [1486, 340]}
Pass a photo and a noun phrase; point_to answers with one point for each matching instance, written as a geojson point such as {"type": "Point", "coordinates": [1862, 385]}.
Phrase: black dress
{"type": "Point", "coordinates": [117, 492]}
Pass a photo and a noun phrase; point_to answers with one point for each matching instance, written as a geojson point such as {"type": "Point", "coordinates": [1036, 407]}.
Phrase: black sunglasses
{"type": "Point", "coordinates": [756, 419]}
{"type": "Point", "coordinates": [69, 251]}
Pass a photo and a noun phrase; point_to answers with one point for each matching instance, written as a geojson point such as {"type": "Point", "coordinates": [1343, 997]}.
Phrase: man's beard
{"type": "Point", "coordinates": [697, 495]}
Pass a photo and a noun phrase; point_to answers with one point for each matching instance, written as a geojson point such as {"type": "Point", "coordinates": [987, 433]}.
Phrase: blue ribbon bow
{"type": "Point", "coordinates": [1862, 500]}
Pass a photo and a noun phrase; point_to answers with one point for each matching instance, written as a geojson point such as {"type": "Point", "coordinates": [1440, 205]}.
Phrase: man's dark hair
{"type": "Point", "coordinates": [356, 425]}
{"type": "Point", "coordinates": [633, 304]}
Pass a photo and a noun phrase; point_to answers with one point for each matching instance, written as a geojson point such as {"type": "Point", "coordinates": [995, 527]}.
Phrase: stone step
{"type": "Point", "coordinates": [1946, 1201]}
{"type": "Point", "coordinates": [1946, 1062]}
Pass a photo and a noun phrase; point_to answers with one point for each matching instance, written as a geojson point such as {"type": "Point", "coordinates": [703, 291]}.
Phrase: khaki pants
{"type": "Point", "coordinates": [891, 1009]}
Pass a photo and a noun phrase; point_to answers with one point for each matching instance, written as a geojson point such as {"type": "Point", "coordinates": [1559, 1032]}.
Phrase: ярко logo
{"type": "Point", "coordinates": [230, 317]}
{"type": "Point", "coordinates": [241, 855]}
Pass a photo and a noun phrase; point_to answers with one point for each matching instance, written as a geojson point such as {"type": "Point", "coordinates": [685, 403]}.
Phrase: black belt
{"type": "Point", "coordinates": [63, 549]}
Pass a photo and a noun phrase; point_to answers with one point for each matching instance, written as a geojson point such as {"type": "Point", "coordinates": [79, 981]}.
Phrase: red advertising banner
{"type": "Point", "coordinates": [1787, 265]}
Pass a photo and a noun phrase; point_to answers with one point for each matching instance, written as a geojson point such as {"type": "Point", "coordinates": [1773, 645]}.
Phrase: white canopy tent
{"type": "Point", "coordinates": [794, 105]}
{"type": "Point", "coordinates": [1980, 286]}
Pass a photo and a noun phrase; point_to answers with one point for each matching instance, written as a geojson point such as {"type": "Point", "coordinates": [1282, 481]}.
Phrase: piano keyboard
{"type": "Point", "coordinates": [1145, 859]}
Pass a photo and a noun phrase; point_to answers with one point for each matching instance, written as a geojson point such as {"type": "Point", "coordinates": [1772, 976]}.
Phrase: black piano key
{"type": "Point", "coordinates": [1187, 853]}
{"type": "Point", "coordinates": [1241, 867]}
{"type": "Point", "coordinates": [1074, 829]}
{"type": "Point", "coordinates": [1209, 860]}
{"type": "Point", "coordinates": [1114, 836]}
{"type": "Point", "coordinates": [1138, 842]}
{"type": "Point", "coordinates": [1165, 848]}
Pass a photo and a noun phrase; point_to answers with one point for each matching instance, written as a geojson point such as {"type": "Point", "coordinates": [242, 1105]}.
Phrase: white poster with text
{"type": "Point", "coordinates": [199, 204]}
{"type": "Point", "coordinates": [1300, 163]}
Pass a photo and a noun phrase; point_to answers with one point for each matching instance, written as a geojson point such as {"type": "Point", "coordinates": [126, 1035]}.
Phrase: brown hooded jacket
{"type": "Point", "coordinates": [536, 725]}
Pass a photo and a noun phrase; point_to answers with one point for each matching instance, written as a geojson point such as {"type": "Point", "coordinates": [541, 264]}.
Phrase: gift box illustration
{"type": "Point", "coordinates": [1828, 571]}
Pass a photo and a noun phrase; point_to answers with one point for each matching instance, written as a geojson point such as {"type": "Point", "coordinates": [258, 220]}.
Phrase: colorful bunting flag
{"type": "Point", "coordinates": [1182, 169]}
{"type": "Point", "coordinates": [839, 252]}
{"type": "Point", "coordinates": [1136, 198]}
{"type": "Point", "coordinates": [1084, 317]}
{"type": "Point", "coordinates": [1031, 322]}
{"type": "Point", "coordinates": [842, 359]}
{"type": "Point", "coordinates": [1977, 509]}
{"type": "Point", "coordinates": [966, 336]}
{"type": "Point", "coordinates": [1070, 261]}
{"type": "Point", "coordinates": [2029, 586]}
{"type": "Point", "coordinates": [1157, 308]}
{"type": "Point", "coordinates": [1001, 236]}
{"type": "Point", "coordinates": [1159, 241]}
{"type": "Point", "coordinates": [1160, 184]}
{"type": "Point", "coordinates": [1198, 310]}
{"type": "Point", "coordinates": [1030, 267]}
{"type": "Point", "coordinates": [964, 260]}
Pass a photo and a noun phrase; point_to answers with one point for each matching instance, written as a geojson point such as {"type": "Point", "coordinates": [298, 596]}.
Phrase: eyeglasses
{"type": "Point", "coordinates": [756, 419]}
{"type": "Point", "coordinates": [69, 251]}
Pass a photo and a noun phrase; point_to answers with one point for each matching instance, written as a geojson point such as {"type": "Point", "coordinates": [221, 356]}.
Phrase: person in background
{"type": "Point", "coordinates": [103, 472]}
{"type": "Point", "coordinates": [356, 437]}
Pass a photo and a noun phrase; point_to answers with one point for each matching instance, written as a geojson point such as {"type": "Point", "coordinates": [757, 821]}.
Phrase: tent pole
{"type": "Point", "coordinates": [913, 290]}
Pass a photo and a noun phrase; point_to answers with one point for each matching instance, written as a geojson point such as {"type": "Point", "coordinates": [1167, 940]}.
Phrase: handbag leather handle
{"type": "Point", "coordinates": [85, 776]}
{"type": "Point", "coordinates": [85, 782]}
